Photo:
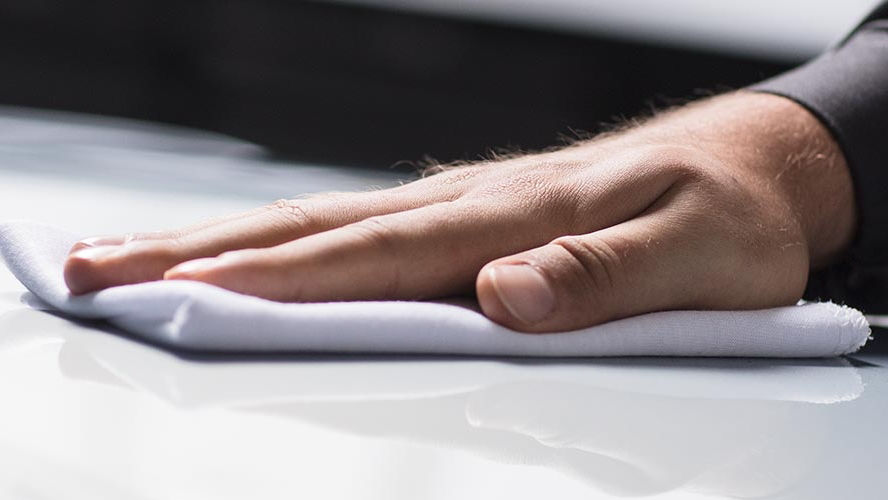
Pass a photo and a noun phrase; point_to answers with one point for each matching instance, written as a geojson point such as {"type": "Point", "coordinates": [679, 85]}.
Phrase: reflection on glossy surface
{"type": "Point", "coordinates": [89, 414]}
{"type": "Point", "coordinates": [132, 421]}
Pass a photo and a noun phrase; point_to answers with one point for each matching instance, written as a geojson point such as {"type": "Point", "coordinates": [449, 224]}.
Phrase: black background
{"type": "Point", "coordinates": [340, 84]}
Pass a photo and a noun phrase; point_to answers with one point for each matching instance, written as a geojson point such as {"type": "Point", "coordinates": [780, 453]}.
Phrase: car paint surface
{"type": "Point", "coordinates": [89, 413]}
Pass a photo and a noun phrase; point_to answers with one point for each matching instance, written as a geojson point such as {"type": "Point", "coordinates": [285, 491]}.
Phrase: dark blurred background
{"type": "Point", "coordinates": [342, 83]}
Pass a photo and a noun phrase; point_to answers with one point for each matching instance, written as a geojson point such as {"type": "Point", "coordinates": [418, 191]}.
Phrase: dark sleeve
{"type": "Point", "coordinates": [847, 89]}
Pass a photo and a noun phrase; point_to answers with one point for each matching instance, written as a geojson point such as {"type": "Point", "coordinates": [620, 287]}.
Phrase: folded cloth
{"type": "Point", "coordinates": [197, 316]}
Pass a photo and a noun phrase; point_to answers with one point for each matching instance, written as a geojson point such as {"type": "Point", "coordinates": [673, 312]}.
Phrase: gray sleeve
{"type": "Point", "coordinates": [847, 89]}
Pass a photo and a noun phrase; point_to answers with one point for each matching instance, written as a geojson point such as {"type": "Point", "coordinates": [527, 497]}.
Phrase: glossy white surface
{"type": "Point", "coordinates": [783, 29]}
{"type": "Point", "coordinates": [90, 414]}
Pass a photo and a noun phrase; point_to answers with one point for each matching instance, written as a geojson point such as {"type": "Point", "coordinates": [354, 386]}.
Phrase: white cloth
{"type": "Point", "coordinates": [196, 316]}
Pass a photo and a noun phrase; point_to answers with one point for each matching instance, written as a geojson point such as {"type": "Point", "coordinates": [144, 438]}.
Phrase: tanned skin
{"type": "Point", "coordinates": [726, 203]}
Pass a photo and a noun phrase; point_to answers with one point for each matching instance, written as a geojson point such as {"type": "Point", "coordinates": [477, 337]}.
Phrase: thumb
{"type": "Point", "coordinates": [582, 280]}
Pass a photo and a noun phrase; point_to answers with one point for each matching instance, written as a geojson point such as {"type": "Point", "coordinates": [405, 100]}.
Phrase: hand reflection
{"type": "Point", "coordinates": [746, 428]}
{"type": "Point", "coordinates": [632, 443]}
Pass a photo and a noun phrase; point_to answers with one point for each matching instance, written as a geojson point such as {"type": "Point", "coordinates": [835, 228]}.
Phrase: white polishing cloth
{"type": "Point", "coordinates": [196, 316]}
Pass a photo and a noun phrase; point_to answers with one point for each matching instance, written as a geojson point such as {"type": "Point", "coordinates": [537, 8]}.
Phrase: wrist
{"type": "Point", "coordinates": [783, 147]}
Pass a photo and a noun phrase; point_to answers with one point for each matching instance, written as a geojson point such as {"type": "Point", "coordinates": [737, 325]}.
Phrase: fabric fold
{"type": "Point", "coordinates": [196, 316]}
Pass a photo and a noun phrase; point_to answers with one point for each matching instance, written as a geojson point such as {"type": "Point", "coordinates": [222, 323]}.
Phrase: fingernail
{"type": "Point", "coordinates": [102, 241]}
{"type": "Point", "coordinates": [95, 253]}
{"type": "Point", "coordinates": [190, 268]}
{"type": "Point", "coordinates": [524, 292]}
{"type": "Point", "coordinates": [98, 241]}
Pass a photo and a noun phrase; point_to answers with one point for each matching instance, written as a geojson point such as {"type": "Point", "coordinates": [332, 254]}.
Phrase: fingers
{"type": "Point", "coordinates": [543, 184]}
{"type": "Point", "coordinates": [425, 252]}
{"type": "Point", "coordinates": [113, 240]}
{"type": "Point", "coordinates": [102, 262]}
{"type": "Point", "coordinates": [109, 261]}
{"type": "Point", "coordinates": [433, 250]}
{"type": "Point", "coordinates": [430, 251]}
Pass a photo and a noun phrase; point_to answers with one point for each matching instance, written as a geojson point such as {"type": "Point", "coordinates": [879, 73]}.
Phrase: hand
{"type": "Point", "coordinates": [723, 204]}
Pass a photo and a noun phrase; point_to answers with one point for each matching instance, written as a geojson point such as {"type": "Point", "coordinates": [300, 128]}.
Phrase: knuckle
{"type": "Point", "coordinates": [600, 264]}
{"type": "Point", "coordinates": [536, 193]}
{"type": "Point", "coordinates": [513, 180]}
{"type": "Point", "coordinates": [376, 233]}
{"type": "Point", "coordinates": [457, 175]}
{"type": "Point", "coordinates": [291, 214]}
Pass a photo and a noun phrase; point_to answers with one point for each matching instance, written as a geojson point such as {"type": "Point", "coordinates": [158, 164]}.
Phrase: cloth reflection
{"type": "Point", "coordinates": [628, 427]}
